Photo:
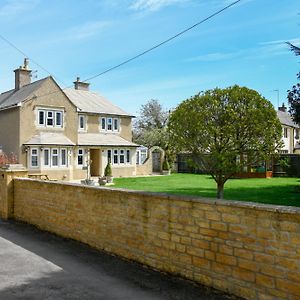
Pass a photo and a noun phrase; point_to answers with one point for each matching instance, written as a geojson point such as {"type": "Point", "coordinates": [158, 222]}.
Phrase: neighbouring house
{"type": "Point", "coordinates": [61, 132]}
{"type": "Point", "coordinates": [290, 132]}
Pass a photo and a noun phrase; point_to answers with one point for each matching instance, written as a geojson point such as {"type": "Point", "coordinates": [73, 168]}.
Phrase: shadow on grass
{"type": "Point", "coordinates": [277, 195]}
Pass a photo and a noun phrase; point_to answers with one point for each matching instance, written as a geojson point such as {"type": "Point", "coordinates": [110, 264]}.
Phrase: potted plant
{"type": "Point", "coordinates": [108, 173]}
{"type": "Point", "coordinates": [166, 167]}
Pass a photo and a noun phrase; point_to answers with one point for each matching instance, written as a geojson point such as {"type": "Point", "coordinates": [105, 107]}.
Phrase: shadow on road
{"type": "Point", "coordinates": [81, 272]}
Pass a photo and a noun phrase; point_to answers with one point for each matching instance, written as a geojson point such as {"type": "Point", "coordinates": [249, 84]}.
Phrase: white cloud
{"type": "Point", "coordinates": [214, 56]}
{"type": "Point", "coordinates": [153, 5]}
{"type": "Point", "coordinates": [87, 30]}
{"type": "Point", "coordinates": [13, 8]}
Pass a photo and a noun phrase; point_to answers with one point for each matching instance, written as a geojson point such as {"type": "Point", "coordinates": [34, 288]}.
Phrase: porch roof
{"type": "Point", "coordinates": [103, 139]}
{"type": "Point", "coordinates": [49, 138]}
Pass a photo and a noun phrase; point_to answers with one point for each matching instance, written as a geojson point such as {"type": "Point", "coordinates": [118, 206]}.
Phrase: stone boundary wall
{"type": "Point", "coordinates": [247, 249]}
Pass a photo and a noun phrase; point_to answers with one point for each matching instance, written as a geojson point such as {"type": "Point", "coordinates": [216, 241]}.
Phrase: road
{"type": "Point", "coordinates": [39, 265]}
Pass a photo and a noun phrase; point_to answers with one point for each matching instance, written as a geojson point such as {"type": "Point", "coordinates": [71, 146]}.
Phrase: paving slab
{"type": "Point", "coordinates": [39, 265]}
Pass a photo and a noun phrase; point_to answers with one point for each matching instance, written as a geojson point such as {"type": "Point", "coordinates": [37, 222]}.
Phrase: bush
{"type": "Point", "coordinates": [108, 171]}
{"type": "Point", "coordinates": [166, 165]}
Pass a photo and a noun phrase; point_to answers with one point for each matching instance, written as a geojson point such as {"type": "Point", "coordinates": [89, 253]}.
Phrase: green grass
{"type": "Point", "coordinates": [278, 191]}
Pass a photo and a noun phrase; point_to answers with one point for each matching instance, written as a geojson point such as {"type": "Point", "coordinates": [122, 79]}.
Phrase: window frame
{"type": "Point", "coordinates": [115, 155]}
{"type": "Point", "coordinates": [115, 122]}
{"type": "Point", "coordinates": [103, 124]}
{"type": "Point", "coordinates": [109, 124]}
{"type": "Point", "coordinates": [80, 155]}
{"type": "Point", "coordinates": [83, 118]}
{"type": "Point", "coordinates": [44, 117]}
{"type": "Point", "coordinates": [49, 157]}
{"type": "Point", "coordinates": [61, 157]}
{"type": "Point", "coordinates": [37, 157]}
{"type": "Point", "coordinates": [54, 155]}
{"type": "Point", "coordinates": [58, 112]}
{"type": "Point", "coordinates": [285, 132]}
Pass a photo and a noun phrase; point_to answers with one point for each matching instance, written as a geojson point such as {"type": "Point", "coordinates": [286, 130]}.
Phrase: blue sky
{"type": "Point", "coordinates": [244, 45]}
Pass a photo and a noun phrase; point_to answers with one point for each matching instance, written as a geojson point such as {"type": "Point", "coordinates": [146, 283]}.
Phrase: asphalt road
{"type": "Point", "coordinates": [39, 265]}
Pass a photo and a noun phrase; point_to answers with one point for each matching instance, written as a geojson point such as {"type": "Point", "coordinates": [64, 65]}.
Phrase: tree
{"type": "Point", "coordinates": [150, 128]}
{"type": "Point", "coordinates": [294, 94]}
{"type": "Point", "coordinates": [228, 129]}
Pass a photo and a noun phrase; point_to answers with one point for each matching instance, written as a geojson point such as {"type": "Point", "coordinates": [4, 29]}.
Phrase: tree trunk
{"type": "Point", "coordinates": [220, 190]}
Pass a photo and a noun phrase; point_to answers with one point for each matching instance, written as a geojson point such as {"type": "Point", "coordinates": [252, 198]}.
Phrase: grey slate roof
{"type": "Point", "coordinates": [103, 139]}
{"type": "Point", "coordinates": [14, 97]}
{"type": "Point", "coordinates": [286, 119]}
{"type": "Point", "coordinates": [91, 102]}
{"type": "Point", "coordinates": [49, 138]}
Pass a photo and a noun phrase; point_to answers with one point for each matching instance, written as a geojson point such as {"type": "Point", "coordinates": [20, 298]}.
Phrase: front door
{"type": "Point", "coordinates": [95, 162]}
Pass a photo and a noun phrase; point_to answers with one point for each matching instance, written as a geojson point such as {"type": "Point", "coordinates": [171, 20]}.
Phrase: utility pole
{"type": "Point", "coordinates": [277, 91]}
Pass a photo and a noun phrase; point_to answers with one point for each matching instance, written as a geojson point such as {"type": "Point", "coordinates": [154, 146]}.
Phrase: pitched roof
{"type": "Point", "coordinates": [49, 138]}
{"type": "Point", "coordinates": [14, 97]}
{"type": "Point", "coordinates": [103, 139]}
{"type": "Point", "coordinates": [286, 119]}
{"type": "Point", "coordinates": [91, 102]}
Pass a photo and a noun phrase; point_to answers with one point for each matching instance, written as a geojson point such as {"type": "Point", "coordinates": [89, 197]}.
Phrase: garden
{"type": "Point", "coordinates": [277, 191]}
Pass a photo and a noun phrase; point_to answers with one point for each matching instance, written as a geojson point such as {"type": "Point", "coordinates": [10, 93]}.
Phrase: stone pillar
{"type": "Point", "coordinates": [7, 175]}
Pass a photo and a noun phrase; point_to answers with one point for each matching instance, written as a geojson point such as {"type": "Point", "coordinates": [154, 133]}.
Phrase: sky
{"type": "Point", "coordinates": [244, 45]}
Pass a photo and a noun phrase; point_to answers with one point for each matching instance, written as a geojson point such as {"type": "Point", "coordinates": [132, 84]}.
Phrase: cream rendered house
{"type": "Point", "coordinates": [290, 132]}
{"type": "Point", "coordinates": [60, 132]}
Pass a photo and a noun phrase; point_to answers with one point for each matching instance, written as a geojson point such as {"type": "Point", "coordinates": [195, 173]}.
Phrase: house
{"type": "Point", "coordinates": [290, 132]}
{"type": "Point", "coordinates": [62, 132]}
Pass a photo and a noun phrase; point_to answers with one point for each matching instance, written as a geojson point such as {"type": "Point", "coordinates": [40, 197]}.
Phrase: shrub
{"type": "Point", "coordinates": [166, 165]}
{"type": "Point", "coordinates": [108, 171]}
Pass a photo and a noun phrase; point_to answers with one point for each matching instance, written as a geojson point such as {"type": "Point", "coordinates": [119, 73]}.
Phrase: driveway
{"type": "Point", "coordinates": [39, 265]}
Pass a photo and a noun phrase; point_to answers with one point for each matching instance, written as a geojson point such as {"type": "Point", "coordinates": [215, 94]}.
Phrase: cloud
{"type": "Point", "coordinates": [86, 30]}
{"type": "Point", "coordinates": [213, 57]}
{"type": "Point", "coordinates": [153, 5]}
{"type": "Point", "coordinates": [13, 8]}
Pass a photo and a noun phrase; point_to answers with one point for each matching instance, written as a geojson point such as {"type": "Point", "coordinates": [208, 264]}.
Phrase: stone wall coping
{"type": "Point", "coordinates": [210, 201]}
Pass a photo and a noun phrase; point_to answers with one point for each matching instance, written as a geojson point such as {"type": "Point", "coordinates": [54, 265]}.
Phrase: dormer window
{"type": "Point", "coordinates": [109, 124]}
{"type": "Point", "coordinates": [82, 122]}
{"type": "Point", "coordinates": [50, 118]}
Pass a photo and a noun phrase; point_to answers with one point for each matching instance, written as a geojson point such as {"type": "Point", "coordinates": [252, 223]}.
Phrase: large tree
{"type": "Point", "coordinates": [294, 92]}
{"type": "Point", "coordinates": [227, 129]}
{"type": "Point", "coordinates": [150, 127]}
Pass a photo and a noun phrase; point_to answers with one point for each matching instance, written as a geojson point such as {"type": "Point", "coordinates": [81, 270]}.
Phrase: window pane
{"type": "Point", "coordinates": [54, 157]}
{"type": "Point", "coordinates": [103, 122]}
{"type": "Point", "coordinates": [81, 122]}
{"type": "Point", "coordinates": [49, 118]}
{"type": "Point", "coordinates": [63, 157]}
{"type": "Point", "coordinates": [41, 117]}
{"type": "Point", "coordinates": [80, 157]}
{"type": "Point", "coordinates": [34, 157]}
{"type": "Point", "coordinates": [109, 155]}
{"type": "Point", "coordinates": [58, 117]}
{"type": "Point", "coordinates": [109, 123]}
{"type": "Point", "coordinates": [115, 124]}
{"type": "Point", "coordinates": [46, 157]}
{"type": "Point", "coordinates": [34, 161]}
{"type": "Point", "coordinates": [116, 160]}
{"type": "Point", "coordinates": [128, 156]}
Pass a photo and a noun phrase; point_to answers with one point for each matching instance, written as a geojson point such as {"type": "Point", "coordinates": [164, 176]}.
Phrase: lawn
{"type": "Point", "coordinates": [279, 191]}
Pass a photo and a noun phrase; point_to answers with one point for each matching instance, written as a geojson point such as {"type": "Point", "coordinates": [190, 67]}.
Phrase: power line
{"type": "Point", "coordinates": [165, 41]}
{"type": "Point", "coordinates": [25, 55]}
{"type": "Point", "coordinates": [144, 52]}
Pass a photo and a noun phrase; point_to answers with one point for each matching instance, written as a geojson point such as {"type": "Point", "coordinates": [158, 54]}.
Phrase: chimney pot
{"type": "Point", "coordinates": [80, 85]}
{"type": "Point", "coordinates": [22, 75]}
{"type": "Point", "coordinates": [282, 108]}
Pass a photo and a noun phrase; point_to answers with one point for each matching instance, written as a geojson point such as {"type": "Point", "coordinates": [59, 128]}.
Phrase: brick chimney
{"type": "Point", "coordinates": [282, 108]}
{"type": "Point", "coordinates": [22, 75]}
{"type": "Point", "coordinates": [80, 85]}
